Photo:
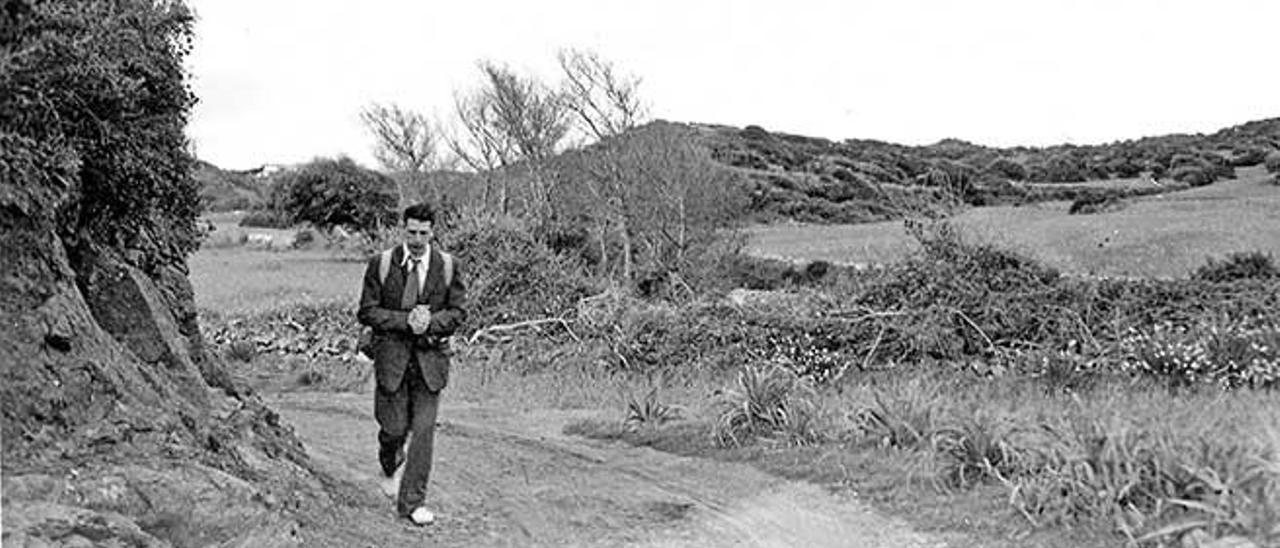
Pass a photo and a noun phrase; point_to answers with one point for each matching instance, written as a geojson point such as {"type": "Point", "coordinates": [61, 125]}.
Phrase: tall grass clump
{"type": "Point", "coordinates": [1154, 468]}
{"type": "Point", "coordinates": [902, 417]}
{"type": "Point", "coordinates": [979, 447]}
{"type": "Point", "coordinates": [768, 401]}
{"type": "Point", "coordinates": [1254, 265]}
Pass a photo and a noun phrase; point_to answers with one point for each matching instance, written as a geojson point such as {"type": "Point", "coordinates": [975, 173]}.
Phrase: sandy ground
{"type": "Point", "coordinates": [511, 478]}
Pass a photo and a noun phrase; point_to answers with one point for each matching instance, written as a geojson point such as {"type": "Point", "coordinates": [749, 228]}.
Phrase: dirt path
{"type": "Point", "coordinates": [512, 479]}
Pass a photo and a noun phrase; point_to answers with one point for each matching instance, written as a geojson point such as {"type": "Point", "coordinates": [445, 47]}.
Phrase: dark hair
{"type": "Point", "coordinates": [419, 212]}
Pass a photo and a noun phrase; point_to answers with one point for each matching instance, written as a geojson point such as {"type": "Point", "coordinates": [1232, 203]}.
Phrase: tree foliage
{"type": "Point", "coordinates": [93, 106]}
{"type": "Point", "coordinates": [337, 192]}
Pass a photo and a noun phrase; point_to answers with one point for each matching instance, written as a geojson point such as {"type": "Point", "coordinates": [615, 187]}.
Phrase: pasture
{"type": "Point", "coordinates": [1162, 236]}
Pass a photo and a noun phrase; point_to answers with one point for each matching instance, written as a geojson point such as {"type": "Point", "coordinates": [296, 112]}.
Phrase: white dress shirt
{"type": "Point", "coordinates": [422, 270]}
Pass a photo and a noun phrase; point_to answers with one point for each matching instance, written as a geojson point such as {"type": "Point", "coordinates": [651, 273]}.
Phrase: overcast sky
{"type": "Point", "coordinates": [283, 81]}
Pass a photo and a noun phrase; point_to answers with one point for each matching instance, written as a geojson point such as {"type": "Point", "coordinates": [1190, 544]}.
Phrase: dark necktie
{"type": "Point", "coordinates": [410, 297]}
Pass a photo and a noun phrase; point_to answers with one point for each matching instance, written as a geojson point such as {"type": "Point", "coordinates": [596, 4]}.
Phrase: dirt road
{"type": "Point", "coordinates": [508, 478]}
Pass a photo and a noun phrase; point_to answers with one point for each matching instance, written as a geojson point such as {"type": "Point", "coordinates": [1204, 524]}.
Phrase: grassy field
{"type": "Point", "coordinates": [239, 280]}
{"type": "Point", "coordinates": [895, 436]}
{"type": "Point", "coordinates": [1165, 235]}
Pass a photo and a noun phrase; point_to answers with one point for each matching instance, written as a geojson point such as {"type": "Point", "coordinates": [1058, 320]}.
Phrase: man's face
{"type": "Point", "coordinates": [417, 234]}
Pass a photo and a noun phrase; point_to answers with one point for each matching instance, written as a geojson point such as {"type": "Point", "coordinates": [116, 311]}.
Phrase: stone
{"type": "Point", "coordinates": [127, 304]}
{"type": "Point", "coordinates": [51, 524]}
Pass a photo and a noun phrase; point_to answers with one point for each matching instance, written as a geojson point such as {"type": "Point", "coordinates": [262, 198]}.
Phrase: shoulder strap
{"type": "Point", "coordinates": [384, 265]}
{"type": "Point", "coordinates": [448, 268]}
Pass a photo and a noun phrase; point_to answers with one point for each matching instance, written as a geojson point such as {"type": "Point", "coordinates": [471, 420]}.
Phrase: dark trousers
{"type": "Point", "coordinates": [410, 411]}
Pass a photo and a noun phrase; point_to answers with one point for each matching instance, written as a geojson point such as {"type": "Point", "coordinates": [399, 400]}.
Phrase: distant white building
{"type": "Point", "coordinates": [268, 170]}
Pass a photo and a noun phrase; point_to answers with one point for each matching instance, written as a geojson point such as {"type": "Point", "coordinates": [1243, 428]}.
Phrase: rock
{"type": "Point", "coordinates": [57, 525]}
{"type": "Point", "coordinates": [127, 304]}
{"type": "Point", "coordinates": [109, 434]}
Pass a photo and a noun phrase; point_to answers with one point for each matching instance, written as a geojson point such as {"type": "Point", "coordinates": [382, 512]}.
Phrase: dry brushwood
{"type": "Point", "coordinates": [491, 333]}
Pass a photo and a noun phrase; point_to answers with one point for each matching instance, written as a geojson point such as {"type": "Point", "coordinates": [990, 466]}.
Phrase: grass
{"type": "Point", "coordinates": [991, 458]}
{"type": "Point", "coordinates": [240, 280]}
{"type": "Point", "coordinates": [996, 457]}
{"type": "Point", "coordinates": [1166, 235]}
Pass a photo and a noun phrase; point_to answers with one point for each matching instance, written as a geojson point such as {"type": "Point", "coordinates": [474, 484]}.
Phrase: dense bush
{"type": "Point", "coordinates": [1124, 168]}
{"type": "Point", "coordinates": [266, 218]}
{"type": "Point", "coordinates": [1008, 168]}
{"type": "Point", "coordinates": [1273, 162]}
{"type": "Point", "coordinates": [742, 270]}
{"type": "Point", "coordinates": [93, 109]}
{"type": "Point", "coordinates": [1060, 168]}
{"type": "Point", "coordinates": [330, 193]}
{"type": "Point", "coordinates": [513, 276]}
{"type": "Point", "coordinates": [1193, 175]}
{"type": "Point", "coordinates": [1248, 156]}
{"type": "Point", "coordinates": [1095, 202]}
{"type": "Point", "coordinates": [1238, 266]}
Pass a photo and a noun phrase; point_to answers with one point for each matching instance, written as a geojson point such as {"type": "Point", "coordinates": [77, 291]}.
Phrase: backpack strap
{"type": "Point", "coordinates": [448, 268]}
{"type": "Point", "coordinates": [384, 265]}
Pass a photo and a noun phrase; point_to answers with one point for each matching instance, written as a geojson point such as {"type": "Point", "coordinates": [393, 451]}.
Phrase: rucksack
{"type": "Point", "coordinates": [364, 342]}
{"type": "Point", "coordinates": [384, 266]}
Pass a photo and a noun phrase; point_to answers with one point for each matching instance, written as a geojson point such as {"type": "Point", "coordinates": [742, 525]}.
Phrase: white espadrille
{"type": "Point", "coordinates": [422, 516]}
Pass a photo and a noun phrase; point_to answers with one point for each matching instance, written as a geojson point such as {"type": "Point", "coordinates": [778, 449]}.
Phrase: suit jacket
{"type": "Point", "coordinates": [394, 344]}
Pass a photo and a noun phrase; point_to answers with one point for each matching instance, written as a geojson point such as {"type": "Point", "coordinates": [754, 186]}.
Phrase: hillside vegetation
{"type": "Point", "coordinates": [818, 180]}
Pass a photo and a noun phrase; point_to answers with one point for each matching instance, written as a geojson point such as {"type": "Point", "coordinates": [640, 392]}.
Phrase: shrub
{"type": "Point", "coordinates": [1008, 168]}
{"type": "Point", "coordinates": [93, 106]}
{"type": "Point", "coordinates": [336, 192]}
{"type": "Point", "coordinates": [266, 218]}
{"type": "Point", "coordinates": [1124, 168]}
{"type": "Point", "coordinates": [1193, 175]}
{"type": "Point", "coordinates": [1095, 202]}
{"type": "Point", "coordinates": [1253, 265]}
{"type": "Point", "coordinates": [1229, 354]}
{"type": "Point", "coordinates": [755, 133]}
{"type": "Point", "coordinates": [242, 351]}
{"type": "Point", "coordinates": [1059, 168]}
{"type": "Point", "coordinates": [511, 275]}
{"type": "Point", "coordinates": [1248, 156]}
{"type": "Point", "coordinates": [304, 238]}
{"type": "Point", "coordinates": [1272, 162]}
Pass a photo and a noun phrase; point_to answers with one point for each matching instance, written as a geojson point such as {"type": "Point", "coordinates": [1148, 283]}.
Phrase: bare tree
{"type": "Point", "coordinates": [511, 120]}
{"type": "Point", "coordinates": [656, 193]}
{"type": "Point", "coordinates": [603, 101]}
{"type": "Point", "coordinates": [405, 142]}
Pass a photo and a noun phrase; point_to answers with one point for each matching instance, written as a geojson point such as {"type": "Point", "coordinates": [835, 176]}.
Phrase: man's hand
{"type": "Point", "coordinates": [419, 319]}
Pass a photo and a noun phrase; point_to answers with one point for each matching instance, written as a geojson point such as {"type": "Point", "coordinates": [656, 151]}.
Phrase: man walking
{"type": "Point", "coordinates": [413, 298]}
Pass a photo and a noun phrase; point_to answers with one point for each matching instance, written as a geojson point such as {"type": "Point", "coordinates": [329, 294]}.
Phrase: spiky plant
{"type": "Point", "coordinates": [647, 410]}
{"type": "Point", "coordinates": [978, 448]}
{"type": "Point", "coordinates": [766, 401]}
